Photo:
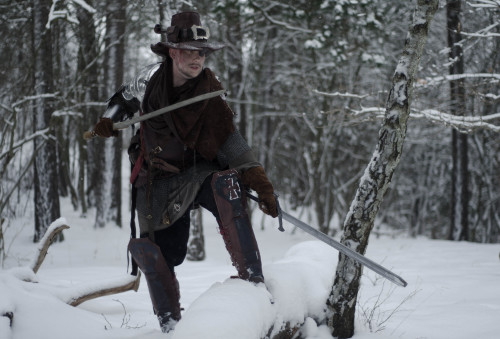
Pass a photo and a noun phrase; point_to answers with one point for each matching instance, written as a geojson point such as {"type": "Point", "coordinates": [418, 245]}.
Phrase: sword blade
{"type": "Point", "coordinates": [127, 123]}
{"type": "Point", "coordinates": [377, 268]}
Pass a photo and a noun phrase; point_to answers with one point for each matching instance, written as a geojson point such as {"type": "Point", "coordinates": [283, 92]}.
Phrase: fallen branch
{"type": "Point", "coordinates": [74, 296]}
{"type": "Point", "coordinates": [9, 315]}
{"type": "Point", "coordinates": [101, 289]}
{"type": "Point", "coordinates": [45, 243]}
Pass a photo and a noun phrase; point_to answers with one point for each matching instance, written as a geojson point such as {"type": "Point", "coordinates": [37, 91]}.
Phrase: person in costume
{"type": "Point", "coordinates": [193, 156]}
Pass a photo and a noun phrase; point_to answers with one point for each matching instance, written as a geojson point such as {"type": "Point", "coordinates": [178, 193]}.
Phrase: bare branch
{"type": "Point", "coordinates": [6, 196]}
{"type": "Point", "coordinates": [452, 77]}
{"type": "Point", "coordinates": [45, 243]}
{"type": "Point", "coordinates": [485, 4]}
{"type": "Point", "coordinates": [279, 23]}
{"type": "Point", "coordinates": [338, 94]}
{"type": "Point", "coordinates": [9, 315]}
{"type": "Point", "coordinates": [101, 289]}
{"type": "Point", "coordinates": [34, 97]}
{"type": "Point", "coordinates": [18, 144]}
{"type": "Point", "coordinates": [464, 124]}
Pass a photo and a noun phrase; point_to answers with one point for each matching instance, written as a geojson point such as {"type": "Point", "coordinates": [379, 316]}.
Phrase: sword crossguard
{"type": "Point", "coordinates": [280, 214]}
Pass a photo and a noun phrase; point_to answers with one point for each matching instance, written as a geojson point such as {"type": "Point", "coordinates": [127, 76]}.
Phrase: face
{"type": "Point", "coordinates": [186, 65]}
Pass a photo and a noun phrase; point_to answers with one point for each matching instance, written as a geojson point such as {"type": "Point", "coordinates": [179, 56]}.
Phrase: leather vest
{"type": "Point", "coordinates": [163, 151]}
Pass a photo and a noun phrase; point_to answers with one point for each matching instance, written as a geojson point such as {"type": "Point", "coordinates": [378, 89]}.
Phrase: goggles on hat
{"type": "Point", "coordinates": [197, 32]}
{"type": "Point", "coordinates": [176, 34]}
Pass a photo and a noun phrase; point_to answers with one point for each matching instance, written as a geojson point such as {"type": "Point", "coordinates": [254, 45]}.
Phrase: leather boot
{"type": "Point", "coordinates": [242, 247]}
{"type": "Point", "coordinates": [162, 283]}
{"type": "Point", "coordinates": [235, 226]}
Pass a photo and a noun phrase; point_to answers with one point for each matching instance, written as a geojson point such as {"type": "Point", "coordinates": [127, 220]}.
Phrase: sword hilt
{"type": "Point", "coordinates": [87, 135]}
{"type": "Point", "coordinates": [280, 214]}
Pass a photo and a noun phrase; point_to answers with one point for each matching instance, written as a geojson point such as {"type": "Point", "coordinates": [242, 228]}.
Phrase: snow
{"type": "Point", "coordinates": [452, 292]}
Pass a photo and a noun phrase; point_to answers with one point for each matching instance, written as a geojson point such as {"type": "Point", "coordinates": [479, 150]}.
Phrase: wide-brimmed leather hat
{"type": "Point", "coordinates": [185, 32]}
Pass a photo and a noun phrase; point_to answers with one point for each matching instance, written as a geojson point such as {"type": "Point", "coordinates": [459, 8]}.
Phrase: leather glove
{"type": "Point", "coordinates": [104, 128]}
{"type": "Point", "coordinates": [256, 179]}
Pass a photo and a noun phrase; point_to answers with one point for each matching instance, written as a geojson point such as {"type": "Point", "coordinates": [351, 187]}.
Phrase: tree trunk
{"type": "Point", "coordinates": [87, 92]}
{"type": "Point", "coordinates": [108, 200]}
{"type": "Point", "coordinates": [459, 229]}
{"type": "Point", "coordinates": [196, 246]}
{"type": "Point", "coordinates": [47, 208]}
{"type": "Point", "coordinates": [376, 179]}
{"type": "Point", "coordinates": [2, 242]}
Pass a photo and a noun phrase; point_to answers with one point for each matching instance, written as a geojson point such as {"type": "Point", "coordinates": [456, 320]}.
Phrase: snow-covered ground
{"type": "Point", "coordinates": [453, 287]}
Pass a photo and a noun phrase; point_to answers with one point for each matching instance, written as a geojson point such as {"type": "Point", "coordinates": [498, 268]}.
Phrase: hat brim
{"type": "Point", "coordinates": [193, 45]}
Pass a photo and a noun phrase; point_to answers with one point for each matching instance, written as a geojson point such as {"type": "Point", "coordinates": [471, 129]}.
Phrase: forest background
{"type": "Point", "coordinates": [308, 81]}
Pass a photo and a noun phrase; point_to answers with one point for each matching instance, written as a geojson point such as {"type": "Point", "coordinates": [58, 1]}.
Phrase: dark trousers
{"type": "Point", "coordinates": [173, 240]}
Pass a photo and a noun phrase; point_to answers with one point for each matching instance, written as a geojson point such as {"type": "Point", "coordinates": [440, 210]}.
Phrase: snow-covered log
{"type": "Point", "coordinates": [294, 294]}
{"type": "Point", "coordinates": [378, 174]}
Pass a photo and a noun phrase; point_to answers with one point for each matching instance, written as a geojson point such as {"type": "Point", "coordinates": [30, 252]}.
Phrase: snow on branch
{"type": "Point", "coordinates": [279, 23]}
{"type": "Point", "coordinates": [65, 13]}
{"type": "Point", "coordinates": [35, 97]}
{"type": "Point", "coordinates": [76, 295]}
{"type": "Point", "coordinates": [41, 133]}
{"type": "Point", "coordinates": [430, 81]}
{"type": "Point", "coordinates": [50, 235]}
{"type": "Point", "coordinates": [484, 33]}
{"type": "Point", "coordinates": [491, 96]}
{"type": "Point", "coordinates": [464, 124]}
{"type": "Point", "coordinates": [485, 4]}
{"type": "Point", "coordinates": [85, 5]}
{"type": "Point", "coordinates": [338, 94]}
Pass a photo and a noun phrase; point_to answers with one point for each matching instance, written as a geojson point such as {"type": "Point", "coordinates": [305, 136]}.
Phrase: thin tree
{"type": "Point", "coordinates": [459, 142]}
{"type": "Point", "coordinates": [87, 91]}
{"type": "Point", "coordinates": [108, 191]}
{"type": "Point", "coordinates": [47, 208]}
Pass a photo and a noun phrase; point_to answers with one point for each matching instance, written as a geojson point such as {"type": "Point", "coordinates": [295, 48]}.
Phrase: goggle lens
{"type": "Point", "coordinates": [200, 33]}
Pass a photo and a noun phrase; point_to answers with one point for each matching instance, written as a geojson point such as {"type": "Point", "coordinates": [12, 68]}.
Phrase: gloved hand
{"type": "Point", "coordinates": [104, 128]}
{"type": "Point", "coordinates": [256, 179]}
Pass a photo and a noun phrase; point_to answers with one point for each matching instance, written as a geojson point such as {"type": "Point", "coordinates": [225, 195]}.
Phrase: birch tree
{"type": "Point", "coordinates": [378, 174]}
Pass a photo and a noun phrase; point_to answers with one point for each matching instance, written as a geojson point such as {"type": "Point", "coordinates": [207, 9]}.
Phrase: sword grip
{"type": "Point", "coordinates": [87, 135]}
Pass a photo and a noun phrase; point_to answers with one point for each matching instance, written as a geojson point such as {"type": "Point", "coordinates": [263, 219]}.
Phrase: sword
{"type": "Point", "coordinates": [136, 119]}
{"type": "Point", "coordinates": [377, 268]}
